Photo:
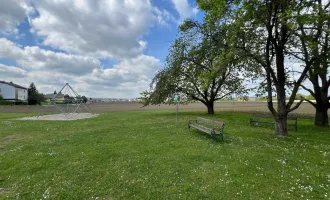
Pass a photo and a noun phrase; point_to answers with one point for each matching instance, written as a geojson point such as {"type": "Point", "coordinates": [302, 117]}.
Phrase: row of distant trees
{"type": "Point", "coordinates": [241, 41]}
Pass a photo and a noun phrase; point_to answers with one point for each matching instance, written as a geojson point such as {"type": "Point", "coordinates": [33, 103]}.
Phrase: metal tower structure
{"type": "Point", "coordinates": [70, 102]}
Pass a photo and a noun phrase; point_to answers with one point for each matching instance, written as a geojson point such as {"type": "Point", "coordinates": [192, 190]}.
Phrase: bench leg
{"type": "Point", "coordinates": [213, 136]}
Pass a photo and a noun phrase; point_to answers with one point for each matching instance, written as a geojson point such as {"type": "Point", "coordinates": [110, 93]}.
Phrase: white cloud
{"type": "Point", "coordinates": [126, 79]}
{"type": "Point", "coordinates": [50, 70]}
{"type": "Point", "coordinates": [184, 9]}
{"type": "Point", "coordinates": [85, 31]}
{"type": "Point", "coordinates": [12, 13]}
{"type": "Point", "coordinates": [11, 71]}
{"type": "Point", "coordinates": [103, 28]}
{"type": "Point", "coordinates": [39, 59]}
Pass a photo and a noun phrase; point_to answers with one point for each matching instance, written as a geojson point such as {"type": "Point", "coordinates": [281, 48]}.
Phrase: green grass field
{"type": "Point", "coordinates": [147, 155]}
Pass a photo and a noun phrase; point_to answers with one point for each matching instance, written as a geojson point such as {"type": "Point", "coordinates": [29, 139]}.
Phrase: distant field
{"type": "Point", "coordinates": [249, 107]}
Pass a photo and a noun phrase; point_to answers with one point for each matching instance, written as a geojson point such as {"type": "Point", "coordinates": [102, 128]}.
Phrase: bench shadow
{"type": "Point", "coordinates": [204, 136]}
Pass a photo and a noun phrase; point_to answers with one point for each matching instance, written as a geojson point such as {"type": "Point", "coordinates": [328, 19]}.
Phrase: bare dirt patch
{"type": "Point", "coordinates": [69, 116]}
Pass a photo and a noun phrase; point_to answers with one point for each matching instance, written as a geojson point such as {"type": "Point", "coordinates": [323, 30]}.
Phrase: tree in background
{"type": "Point", "coordinates": [198, 69]}
{"type": "Point", "coordinates": [34, 97]}
{"type": "Point", "coordinates": [1, 98]}
{"type": "Point", "coordinates": [299, 96]}
{"type": "Point", "coordinates": [55, 92]}
{"type": "Point", "coordinates": [84, 99]}
{"type": "Point", "coordinates": [309, 97]}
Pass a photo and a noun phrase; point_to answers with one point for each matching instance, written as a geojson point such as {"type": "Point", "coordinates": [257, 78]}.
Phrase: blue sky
{"type": "Point", "coordinates": [104, 48]}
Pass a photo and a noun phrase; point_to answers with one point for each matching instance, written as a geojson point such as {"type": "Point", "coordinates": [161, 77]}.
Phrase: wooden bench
{"type": "Point", "coordinates": [258, 118]}
{"type": "Point", "coordinates": [201, 124]}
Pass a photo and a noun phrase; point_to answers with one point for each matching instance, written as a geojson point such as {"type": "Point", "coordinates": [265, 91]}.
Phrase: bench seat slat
{"type": "Point", "coordinates": [205, 129]}
{"type": "Point", "coordinates": [209, 121]}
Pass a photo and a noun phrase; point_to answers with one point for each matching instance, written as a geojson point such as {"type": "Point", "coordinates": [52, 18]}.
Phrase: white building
{"type": "Point", "coordinates": [13, 92]}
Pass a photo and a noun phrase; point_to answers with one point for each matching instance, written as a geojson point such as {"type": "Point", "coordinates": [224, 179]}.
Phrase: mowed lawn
{"type": "Point", "coordinates": [147, 155]}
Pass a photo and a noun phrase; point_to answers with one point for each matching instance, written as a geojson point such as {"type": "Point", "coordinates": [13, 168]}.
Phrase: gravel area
{"type": "Point", "coordinates": [69, 116]}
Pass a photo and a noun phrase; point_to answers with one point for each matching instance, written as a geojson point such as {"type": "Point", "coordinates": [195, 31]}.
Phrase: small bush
{"type": "Point", "coordinates": [3, 102]}
{"type": "Point", "coordinates": [22, 103]}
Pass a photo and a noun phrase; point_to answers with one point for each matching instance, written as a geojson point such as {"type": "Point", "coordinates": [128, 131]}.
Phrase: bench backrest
{"type": "Point", "coordinates": [209, 121]}
{"type": "Point", "coordinates": [271, 116]}
{"type": "Point", "coordinates": [263, 115]}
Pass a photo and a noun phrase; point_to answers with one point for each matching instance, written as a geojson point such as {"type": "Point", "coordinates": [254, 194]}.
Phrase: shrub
{"type": "Point", "coordinates": [22, 103]}
{"type": "Point", "coordinates": [3, 102]}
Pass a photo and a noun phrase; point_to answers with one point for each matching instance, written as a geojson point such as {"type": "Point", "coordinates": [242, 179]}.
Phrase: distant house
{"type": "Point", "coordinates": [59, 97]}
{"type": "Point", "coordinates": [13, 92]}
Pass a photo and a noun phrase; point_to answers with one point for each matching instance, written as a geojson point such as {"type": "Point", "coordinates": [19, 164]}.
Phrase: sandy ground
{"type": "Point", "coordinates": [69, 116]}
{"type": "Point", "coordinates": [248, 107]}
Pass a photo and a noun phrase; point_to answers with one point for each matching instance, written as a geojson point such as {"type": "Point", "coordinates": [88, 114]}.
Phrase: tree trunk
{"type": "Point", "coordinates": [281, 126]}
{"type": "Point", "coordinates": [210, 108]}
{"type": "Point", "coordinates": [321, 116]}
{"type": "Point", "coordinates": [282, 115]}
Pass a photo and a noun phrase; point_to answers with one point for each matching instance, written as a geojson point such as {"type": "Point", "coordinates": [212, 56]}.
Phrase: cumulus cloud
{"type": "Point", "coordinates": [184, 9]}
{"type": "Point", "coordinates": [50, 70]}
{"type": "Point", "coordinates": [103, 28]}
{"type": "Point", "coordinates": [11, 14]}
{"type": "Point", "coordinates": [40, 59]}
{"type": "Point", "coordinates": [11, 71]}
{"type": "Point", "coordinates": [128, 77]}
{"type": "Point", "coordinates": [81, 32]}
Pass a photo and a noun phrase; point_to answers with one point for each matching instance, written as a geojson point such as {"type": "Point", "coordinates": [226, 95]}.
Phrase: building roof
{"type": "Point", "coordinates": [50, 96]}
{"type": "Point", "coordinates": [13, 84]}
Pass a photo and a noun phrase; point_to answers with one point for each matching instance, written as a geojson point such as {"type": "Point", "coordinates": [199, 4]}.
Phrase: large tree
{"type": "Point", "coordinates": [264, 30]}
{"type": "Point", "coordinates": [198, 68]}
{"type": "Point", "coordinates": [313, 29]}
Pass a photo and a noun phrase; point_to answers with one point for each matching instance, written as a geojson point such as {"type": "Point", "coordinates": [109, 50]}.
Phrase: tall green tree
{"type": "Point", "coordinates": [199, 69]}
{"type": "Point", "coordinates": [313, 30]}
{"type": "Point", "coordinates": [34, 97]}
{"type": "Point", "coordinates": [264, 30]}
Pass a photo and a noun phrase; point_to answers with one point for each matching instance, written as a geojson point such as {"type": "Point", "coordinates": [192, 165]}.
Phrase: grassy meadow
{"type": "Point", "coordinates": [148, 155]}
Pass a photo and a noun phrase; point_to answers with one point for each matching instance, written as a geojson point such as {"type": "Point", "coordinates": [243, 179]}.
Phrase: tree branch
{"type": "Point", "coordinates": [199, 64]}
{"type": "Point", "coordinates": [296, 106]}
{"type": "Point", "coordinates": [309, 90]}
{"type": "Point", "coordinates": [309, 101]}
{"type": "Point", "coordinates": [196, 98]}
{"type": "Point", "coordinates": [224, 95]}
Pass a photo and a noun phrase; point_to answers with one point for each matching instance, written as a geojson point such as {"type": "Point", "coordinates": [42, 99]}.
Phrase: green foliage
{"type": "Point", "coordinates": [310, 97]}
{"type": "Point", "coordinates": [147, 155]}
{"type": "Point", "coordinates": [84, 99]}
{"type": "Point", "coordinates": [198, 68]}
{"type": "Point", "coordinates": [1, 98]}
{"type": "Point", "coordinates": [34, 97]}
{"type": "Point", "coordinates": [299, 96]}
{"type": "Point", "coordinates": [5, 103]}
